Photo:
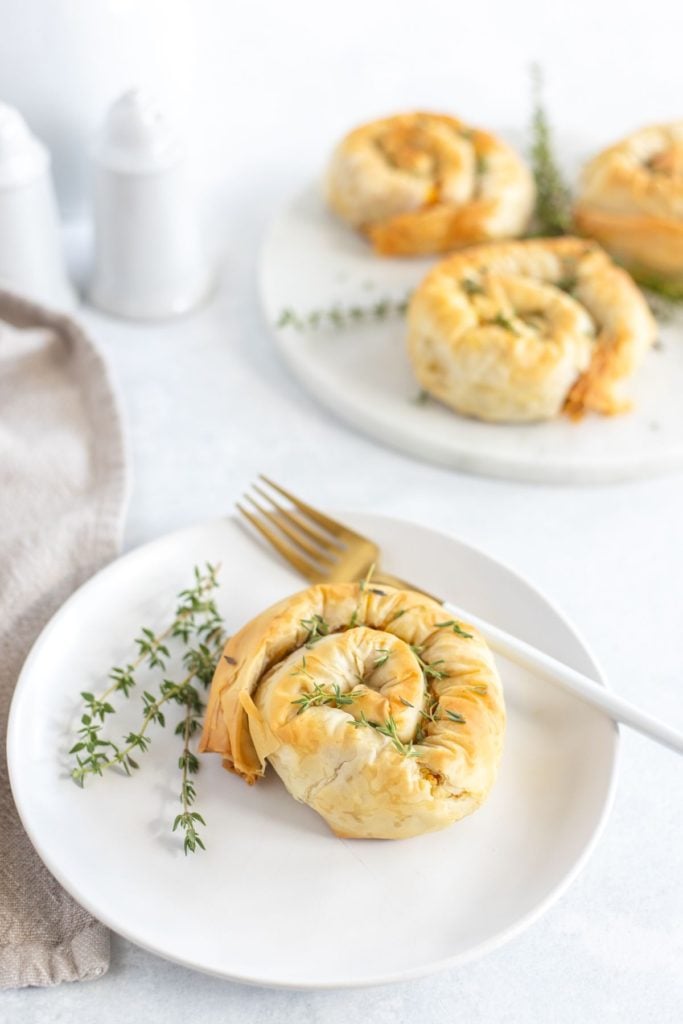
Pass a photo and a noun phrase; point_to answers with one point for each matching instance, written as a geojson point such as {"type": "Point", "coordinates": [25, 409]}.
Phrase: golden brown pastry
{"type": "Point", "coordinates": [522, 330]}
{"type": "Point", "coordinates": [374, 708]}
{"type": "Point", "coordinates": [427, 183]}
{"type": "Point", "coordinates": [631, 201]}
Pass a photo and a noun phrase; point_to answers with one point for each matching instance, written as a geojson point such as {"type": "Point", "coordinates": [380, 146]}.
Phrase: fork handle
{"type": "Point", "coordinates": [554, 671]}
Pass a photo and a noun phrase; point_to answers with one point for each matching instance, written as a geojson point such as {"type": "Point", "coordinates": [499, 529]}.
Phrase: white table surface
{"type": "Point", "coordinates": [209, 405]}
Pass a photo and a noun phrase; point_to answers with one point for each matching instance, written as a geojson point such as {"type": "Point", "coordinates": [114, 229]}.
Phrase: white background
{"type": "Point", "coordinates": [266, 89]}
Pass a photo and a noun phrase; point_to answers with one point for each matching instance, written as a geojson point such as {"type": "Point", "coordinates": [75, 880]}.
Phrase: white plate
{"type": "Point", "coordinates": [276, 899]}
{"type": "Point", "coordinates": [311, 261]}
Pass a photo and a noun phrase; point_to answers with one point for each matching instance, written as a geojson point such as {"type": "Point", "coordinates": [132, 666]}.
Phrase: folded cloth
{"type": "Point", "coordinates": [63, 486]}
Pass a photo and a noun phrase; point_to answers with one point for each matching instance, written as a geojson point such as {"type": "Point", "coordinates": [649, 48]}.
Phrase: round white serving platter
{"type": "Point", "coordinates": [276, 899]}
{"type": "Point", "coordinates": [311, 261]}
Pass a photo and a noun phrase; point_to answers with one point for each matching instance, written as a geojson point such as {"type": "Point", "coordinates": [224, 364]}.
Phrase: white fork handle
{"type": "Point", "coordinates": [569, 679]}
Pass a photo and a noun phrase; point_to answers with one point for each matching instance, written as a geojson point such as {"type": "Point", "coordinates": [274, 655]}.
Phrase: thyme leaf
{"type": "Point", "coordinates": [301, 670]}
{"type": "Point", "coordinates": [431, 714]}
{"type": "Point", "coordinates": [317, 629]}
{"type": "Point", "coordinates": [319, 696]}
{"type": "Point", "coordinates": [456, 627]}
{"type": "Point", "coordinates": [500, 320]}
{"type": "Point", "coordinates": [431, 669]}
{"type": "Point", "coordinates": [471, 287]}
{"type": "Point", "coordinates": [388, 729]}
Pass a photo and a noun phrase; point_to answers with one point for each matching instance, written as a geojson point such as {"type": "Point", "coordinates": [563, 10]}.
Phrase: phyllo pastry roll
{"type": "Point", "coordinates": [374, 708]}
{"type": "Point", "coordinates": [428, 183]}
{"type": "Point", "coordinates": [524, 330]}
{"type": "Point", "coordinates": [631, 201]}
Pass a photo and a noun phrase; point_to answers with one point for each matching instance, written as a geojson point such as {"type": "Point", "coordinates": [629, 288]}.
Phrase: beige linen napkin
{"type": "Point", "coordinates": [62, 498]}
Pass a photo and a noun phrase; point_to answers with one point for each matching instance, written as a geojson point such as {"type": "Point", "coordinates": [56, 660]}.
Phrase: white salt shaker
{"type": "Point", "coordinates": [148, 259]}
{"type": "Point", "coordinates": [31, 257]}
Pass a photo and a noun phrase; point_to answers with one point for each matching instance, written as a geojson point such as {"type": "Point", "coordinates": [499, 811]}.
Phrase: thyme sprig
{"type": "Point", "coordinates": [500, 320]}
{"type": "Point", "coordinates": [196, 625]}
{"type": "Point", "coordinates": [388, 729]}
{"type": "Point", "coordinates": [319, 696]}
{"type": "Point", "coordinates": [362, 587]}
{"type": "Point", "coordinates": [430, 669]}
{"type": "Point", "coordinates": [471, 287]}
{"type": "Point", "coordinates": [431, 713]}
{"type": "Point", "coordinates": [338, 317]}
{"type": "Point", "coordinates": [188, 763]}
{"type": "Point", "coordinates": [553, 198]}
{"type": "Point", "coordinates": [456, 627]}
{"type": "Point", "coordinates": [302, 670]}
{"type": "Point", "coordinates": [317, 628]}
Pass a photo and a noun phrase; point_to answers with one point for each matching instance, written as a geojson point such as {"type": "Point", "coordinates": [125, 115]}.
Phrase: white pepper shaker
{"type": "Point", "coordinates": [31, 257]}
{"type": "Point", "coordinates": [148, 260]}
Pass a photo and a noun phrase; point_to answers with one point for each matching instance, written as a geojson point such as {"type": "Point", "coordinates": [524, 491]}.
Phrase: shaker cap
{"type": "Point", "coordinates": [137, 137]}
{"type": "Point", "coordinates": [22, 156]}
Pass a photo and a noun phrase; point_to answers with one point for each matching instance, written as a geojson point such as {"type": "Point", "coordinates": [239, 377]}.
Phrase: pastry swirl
{"type": "Point", "coordinates": [519, 331]}
{"type": "Point", "coordinates": [631, 201]}
{"type": "Point", "coordinates": [373, 708]}
{"type": "Point", "coordinates": [427, 183]}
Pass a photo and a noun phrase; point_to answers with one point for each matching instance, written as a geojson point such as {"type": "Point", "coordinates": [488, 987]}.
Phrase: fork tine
{"type": "Point", "coordinates": [296, 519]}
{"type": "Point", "coordinates": [289, 553]}
{"type": "Point", "coordinates": [333, 527]}
{"type": "Point", "coordinates": [300, 540]}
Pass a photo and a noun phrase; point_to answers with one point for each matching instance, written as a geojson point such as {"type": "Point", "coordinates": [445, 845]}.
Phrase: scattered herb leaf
{"type": "Point", "coordinates": [456, 627]}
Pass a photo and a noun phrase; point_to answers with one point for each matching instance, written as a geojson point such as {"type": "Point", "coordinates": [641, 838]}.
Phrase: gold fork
{"type": "Point", "coordinates": [323, 550]}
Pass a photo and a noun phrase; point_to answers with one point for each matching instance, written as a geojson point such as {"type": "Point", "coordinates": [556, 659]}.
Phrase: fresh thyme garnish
{"type": "Point", "coordinates": [317, 629]}
{"type": "Point", "coordinates": [390, 730]}
{"type": "Point", "coordinates": [500, 320]}
{"type": "Point", "coordinates": [301, 670]}
{"type": "Point", "coordinates": [188, 761]}
{"type": "Point", "coordinates": [431, 714]}
{"type": "Point", "coordinates": [553, 198]}
{"type": "Point", "coordinates": [430, 669]}
{"type": "Point", "coordinates": [456, 627]}
{"type": "Point", "coordinates": [196, 619]}
{"type": "Point", "coordinates": [397, 615]}
{"type": "Point", "coordinates": [567, 284]}
{"type": "Point", "coordinates": [318, 697]}
{"type": "Point", "coordinates": [421, 397]}
{"type": "Point", "coordinates": [382, 656]}
{"type": "Point", "coordinates": [471, 287]}
{"type": "Point", "coordinates": [363, 586]}
{"type": "Point", "coordinates": [338, 316]}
